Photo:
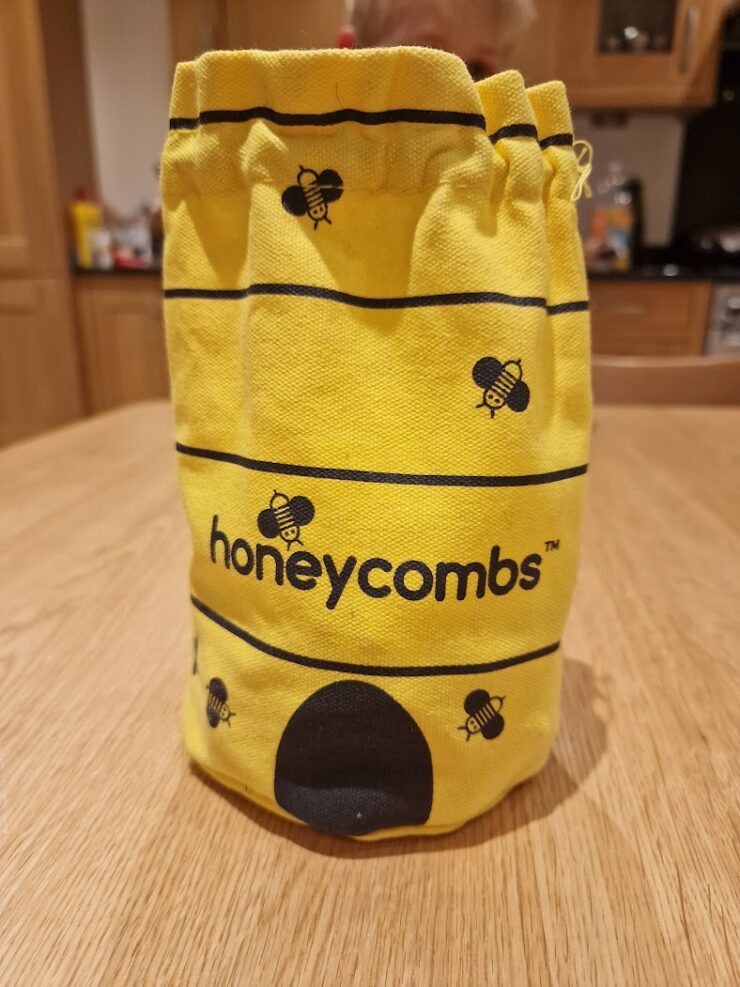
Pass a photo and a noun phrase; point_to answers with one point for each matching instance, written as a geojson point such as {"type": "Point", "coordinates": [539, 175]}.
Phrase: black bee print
{"type": "Point", "coordinates": [195, 656]}
{"type": "Point", "coordinates": [502, 384]}
{"type": "Point", "coordinates": [217, 710]}
{"type": "Point", "coordinates": [285, 517]}
{"type": "Point", "coordinates": [312, 194]}
{"type": "Point", "coordinates": [484, 715]}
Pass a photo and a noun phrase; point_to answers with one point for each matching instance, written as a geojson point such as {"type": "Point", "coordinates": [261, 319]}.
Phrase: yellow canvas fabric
{"type": "Point", "coordinates": [379, 347]}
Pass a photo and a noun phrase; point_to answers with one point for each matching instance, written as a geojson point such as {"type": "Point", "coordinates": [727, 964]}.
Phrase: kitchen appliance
{"type": "Point", "coordinates": [723, 329]}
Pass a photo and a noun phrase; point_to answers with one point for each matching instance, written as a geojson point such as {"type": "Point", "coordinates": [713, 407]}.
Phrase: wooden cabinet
{"type": "Point", "coordinates": [31, 235]}
{"type": "Point", "coordinates": [122, 335]}
{"type": "Point", "coordinates": [39, 372]}
{"type": "Point", "coordinates": [649, 318]}
{"type": "Point", "coordinates": [289, 24]}
{"type": "Point", "coordinates": [569, 42]}
{"type": "Point", "coordinates": [684, 75]}
{"type": "Point", "coordinates": [40, 384]}
{"type": "Point", "coordinates": [199, 25]}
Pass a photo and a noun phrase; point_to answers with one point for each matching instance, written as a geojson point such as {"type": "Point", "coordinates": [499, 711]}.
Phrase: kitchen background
{"type": "Point", "coordinates": [84, 88]}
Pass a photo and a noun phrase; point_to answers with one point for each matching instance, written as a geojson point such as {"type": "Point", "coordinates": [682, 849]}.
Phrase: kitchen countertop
{"type": "Point", "coordinates": [670, 272]}
{"type": "Point", "coordinates": [115, 272]}
{"type": "Point", "coordinates": [122, 865]}
{"type": "Point", "coordinates": [641, 272]}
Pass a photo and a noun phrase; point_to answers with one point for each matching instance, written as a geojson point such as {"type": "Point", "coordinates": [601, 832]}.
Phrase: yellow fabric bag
{"type": "Point", "coordinates": [379, 345]}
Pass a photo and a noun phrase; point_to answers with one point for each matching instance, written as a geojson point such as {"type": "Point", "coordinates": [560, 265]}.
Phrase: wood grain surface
{"type": "Point", "coordinates": [119, 864]}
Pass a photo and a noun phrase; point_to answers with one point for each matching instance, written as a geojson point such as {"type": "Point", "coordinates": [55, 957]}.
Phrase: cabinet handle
{"type": "Point", "coordinates": [691, 24]}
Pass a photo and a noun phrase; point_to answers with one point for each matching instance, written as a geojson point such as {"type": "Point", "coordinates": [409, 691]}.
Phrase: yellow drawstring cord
{"type": "Point", "coordinates": [585, 162]}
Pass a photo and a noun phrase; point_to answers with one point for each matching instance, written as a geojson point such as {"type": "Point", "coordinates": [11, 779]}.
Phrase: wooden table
{"type": "Point", "coordinates": [120, 865]}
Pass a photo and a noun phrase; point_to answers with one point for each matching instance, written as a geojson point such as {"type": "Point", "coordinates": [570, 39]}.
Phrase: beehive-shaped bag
{"type": "Point", "coordinates": [379, 346]}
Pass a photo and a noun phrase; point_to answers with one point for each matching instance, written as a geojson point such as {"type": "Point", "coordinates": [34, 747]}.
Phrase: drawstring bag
{"type": "Point", "coordinates": [379, 347]}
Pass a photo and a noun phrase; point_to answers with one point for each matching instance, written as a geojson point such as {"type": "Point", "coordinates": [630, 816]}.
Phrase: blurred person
{"type": "Point", "coordinates": [481, 32]}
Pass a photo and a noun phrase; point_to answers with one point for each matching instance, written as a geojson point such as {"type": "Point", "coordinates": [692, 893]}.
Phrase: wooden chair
{"type": "Point", "coordinates": [666, 380]}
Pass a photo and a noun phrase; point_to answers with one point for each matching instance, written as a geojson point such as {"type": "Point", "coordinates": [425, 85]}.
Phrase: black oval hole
{"type": "Point", "coordinates": [352, 760]}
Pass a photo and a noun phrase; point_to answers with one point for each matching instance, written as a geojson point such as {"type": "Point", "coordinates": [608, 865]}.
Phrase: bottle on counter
{"type": "Point", "coordinates": [101, 248]}
{"type": "Point", "coordinates": [133, 240]}
{"type": "Point", "coordinates": [610, 246]}
{"type": "Point", "coordinates": [87, 216]}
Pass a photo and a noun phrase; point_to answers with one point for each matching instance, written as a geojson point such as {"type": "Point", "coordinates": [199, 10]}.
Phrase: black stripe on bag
{"type": "Point", "coordinates": [567, 307]}
{"type": "Point", "coordinates": [346, 115]}
{"type": "Point", "coordinates": [369, 476]}
{"type": "Point", "coordinates": [514, 130]}
{"type": "Point", "coordinates": [361, 301]}
{"type": "Point", "coordinates": [557, 140]}
{"type": "Point", "coordinates": [364, 301]}
{"type": "Point", "coordinates": [350, 668]}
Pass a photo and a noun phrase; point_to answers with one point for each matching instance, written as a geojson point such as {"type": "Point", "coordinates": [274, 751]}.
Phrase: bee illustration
{"type": "Point", "coordinates": [502, 384]}
{"type": "Point", "coordinates": [312, 194]}
{"type": "Point", "coordinates": [217, 709]}
{"type": "Point", "coordinates": [285, 516]}
{"type": "Point", "coordinates": [195, 656]}
{"type": "Point", "coordinates": [484, 715]}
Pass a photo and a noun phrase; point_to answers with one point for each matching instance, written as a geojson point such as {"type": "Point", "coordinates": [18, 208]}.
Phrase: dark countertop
{"type": "Point", "coordinates": [117, 272]}
{"type": "Point", "coordinates": [677, 262]}
{"type": "Point", "coordinates": [641, 272]}
{"type": "Point", "coordinates": [670, 272]}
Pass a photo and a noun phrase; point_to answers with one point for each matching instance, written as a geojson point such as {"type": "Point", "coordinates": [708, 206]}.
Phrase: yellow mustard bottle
{"type": "Point", "coordinates": [86, 215]}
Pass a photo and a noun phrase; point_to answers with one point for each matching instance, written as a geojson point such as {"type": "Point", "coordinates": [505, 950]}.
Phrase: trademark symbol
{"type": "Point", "coordinates": [552, 546]}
